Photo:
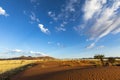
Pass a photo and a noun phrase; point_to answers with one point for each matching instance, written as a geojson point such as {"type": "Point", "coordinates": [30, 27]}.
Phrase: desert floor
{"type": "Point", "coordinates": [56, 71]}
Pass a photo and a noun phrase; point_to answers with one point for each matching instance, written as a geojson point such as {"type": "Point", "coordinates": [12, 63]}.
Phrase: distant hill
{"type": "Point", "coordinates": [30, 58]}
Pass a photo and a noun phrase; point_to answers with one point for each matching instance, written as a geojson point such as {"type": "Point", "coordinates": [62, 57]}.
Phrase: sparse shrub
{"type": "Point", "coordinates": [100, 56]}
{"type": "Point", "coordinates": [111, 60]}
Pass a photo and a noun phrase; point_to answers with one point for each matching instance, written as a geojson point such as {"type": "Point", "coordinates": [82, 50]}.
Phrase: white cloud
{"type": "Point", "coordinates": [37, 53]}
{"type": "Point", "coordinates": [63, 24]}
{"type": "Point", "coordinates": [17, 51]}
{"type": "Point", "coordinates": [3, 12]}
{"type": "Point", "coordinates": [92, 45]}
{"type": "Point", "coordinates": [23, 52]}
{"type": "Point", "coordinates": [43, 29]}
{"type": "Point", "coordinates": [101, 17]}
{"type": "Point", "coordinates": [79, 29]}
{"type": "Point", "coordinates": [116, 31]}
{"type": "Point", "coordinates": [33, 17]}
{"type": "Point", "coordinates": [52, 15]}
{"type": "Point", "coordinates": [71, 5]}
{"type": "Point", "coordinates": [107, 22]}
{"type": "Point", "coordinates": [69, 12]}
{"type": "Point", "coordinates": [12, 51]}
{"type": "Point", "coordinates": [60, 28]}
{"type": "Point", "coordinates": [112, 26]}
{"type": "Point", "coordinates": [91, 7]}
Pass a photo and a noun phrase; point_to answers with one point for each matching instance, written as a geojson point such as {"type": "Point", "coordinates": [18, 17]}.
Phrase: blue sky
{"type": "Point", "coordinates": [59, 28]}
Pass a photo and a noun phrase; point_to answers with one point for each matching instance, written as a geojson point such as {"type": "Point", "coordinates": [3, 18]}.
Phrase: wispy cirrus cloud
{"type": "Point", "coordinates": [52, 15]}
{"type": "Point", "coordinates": [68, 13]}
{"type": "Point", "coordinates": [34, 18]}
{"type": "Point", "coordinates": [101, 17]}
{"type": "Point", "coordinates": [91, 46]}
{"type": "Point", "coordinates": [65, 12]}
{"type": "Point", "coordinates": [91, 7]}
{"type": "Point", "coordinates": [60, 28]}
{"type": "Point", "coordinates": [3, 12]}
{"type": "Point", "coordinates": [43, 29]}
{"type": "Point", "coordinates": [116, 31]}
{"type": "Point", "coordinates": [70, 6]}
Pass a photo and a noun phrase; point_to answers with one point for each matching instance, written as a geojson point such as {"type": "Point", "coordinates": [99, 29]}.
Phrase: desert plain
{"type": "Point", "coordinates": [65, 70]}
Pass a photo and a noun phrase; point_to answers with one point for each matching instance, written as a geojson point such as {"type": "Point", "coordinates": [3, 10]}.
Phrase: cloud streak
{"type": "Point", "coordinates": [106, 22]}
{"type": "Point", "coordinates": [34, 18]}
{"type": "Point", "coordinates": [16, 51]}
{"type": "Point", "coordinates": [37, 53]}
{"type": "Point", "coordinates": [91, 7]}
{"type": "Point", "coordinates": [101, 18]}
{"type": "Point", "coordinates": [116, 31]}
{"type": "Point", "coordinates": [91, 46]}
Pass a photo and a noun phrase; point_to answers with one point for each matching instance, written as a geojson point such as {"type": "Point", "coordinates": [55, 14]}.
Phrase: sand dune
{"type": "Point", "coordinates": [53, 71]}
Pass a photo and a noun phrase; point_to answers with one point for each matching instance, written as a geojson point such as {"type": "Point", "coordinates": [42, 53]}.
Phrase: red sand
{"type": "Point", "coordinates": [52, 71]}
